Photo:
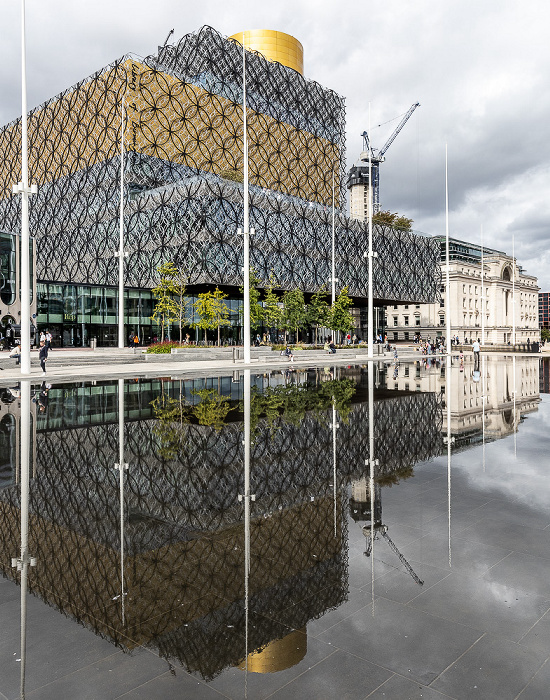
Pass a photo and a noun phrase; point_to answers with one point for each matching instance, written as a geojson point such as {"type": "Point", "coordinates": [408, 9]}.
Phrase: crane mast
{"type": "Point", "coordinates": [377, 156]}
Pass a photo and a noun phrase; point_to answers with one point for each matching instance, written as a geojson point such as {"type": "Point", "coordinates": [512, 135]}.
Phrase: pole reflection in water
{"type": "Point", "coordinates": [122, 467]}
{"type": "Point", "coordinates": [514, 423]}
{"type": "Point", "coordinates": [449, 440]}
{"type": "Point", "coordinates": [246, 497]}
{"type": "Point", "coordinates": [25, 560]}
{"type": "Point", "coordinates": [483, 399]}
{"type": "Point", "coordinates": [335, 425]}
{"type": "Point", "coordinates": [370, 462]}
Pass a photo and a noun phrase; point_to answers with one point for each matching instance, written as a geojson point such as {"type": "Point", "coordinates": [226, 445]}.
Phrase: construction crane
{"type": "Point", "coordinates": [375, 527]}
{"type": "Point", "coordinates": [378, 156]}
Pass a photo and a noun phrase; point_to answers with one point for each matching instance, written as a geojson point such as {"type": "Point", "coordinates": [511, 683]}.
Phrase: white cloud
{"type": "Point", "coordinates": [479, 71]}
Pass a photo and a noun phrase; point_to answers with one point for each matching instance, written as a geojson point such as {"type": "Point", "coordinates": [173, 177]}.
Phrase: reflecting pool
{"type": "Point", "coordinates": [377, 531]}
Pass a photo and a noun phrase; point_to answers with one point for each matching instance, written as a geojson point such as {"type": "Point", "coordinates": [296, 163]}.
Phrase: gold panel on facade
{"type": "Point", "coordinates": [171, 120]}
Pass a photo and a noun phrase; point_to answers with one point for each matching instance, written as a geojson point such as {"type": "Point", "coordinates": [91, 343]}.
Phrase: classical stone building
{"type": "Point", "coordinates": [506, 292]}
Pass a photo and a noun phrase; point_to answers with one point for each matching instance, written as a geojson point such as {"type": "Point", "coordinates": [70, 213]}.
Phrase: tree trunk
{"type": "Point", "coordinates": [218, 336]}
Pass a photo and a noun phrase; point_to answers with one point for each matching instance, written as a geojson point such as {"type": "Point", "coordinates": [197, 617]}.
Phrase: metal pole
{"type": "Point", "coordinates": [247, 498]}
{"type": "Point", "coordinates": [122, 466]}
{"type": "Point", "coordinates": [333, 275]}
{"type": "Point", "coordinates": [449, 442]}
{"type": "Point", "coordinates": [335, 427]}
{"type": "Point", "coordinates": [371, 466]}
{"type": "Point", "coordinates": [25, 560]}
{"type": "Point", "coordinates": [447, 263]}
{"type": "Point", "coordinates": [121, 237]}
{"type": "Point", "coordinates": [370, 320]}
{"type": "Point", "coordinates": [25, 192]}
{"type": "Point", "coordinates": [513, 292]}
{"type": "Point", "coordinates": [246, 231]}
{"type": "Point", "coordinates": [482, 292]}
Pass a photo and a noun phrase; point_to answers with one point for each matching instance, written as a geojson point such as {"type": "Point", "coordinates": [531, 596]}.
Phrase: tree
{"type": "Point", "coordinates": [319, 311]}
{"type": "Point", "coordinates": [213, 311]}
{"type": "Point", "coordinates": [212, 408]}
{"type": "Point", "coordinates": [166, 310]}
{"type": "Point", "coordinates": [340, 316]}
{"type": "Point", "coordinates": [272, 307]}
{"type": "Point", "coordinates": [393, 220]}
{"type": "Point", "coordinates": [545, 334]}
{"type": "Point", "coordinates": [294, 311]}
{"type": "Point", "coordinates": [256, 308]}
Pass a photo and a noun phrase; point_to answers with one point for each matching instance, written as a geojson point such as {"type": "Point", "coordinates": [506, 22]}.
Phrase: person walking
{"type": "Point", "coordinates": [43, 356]}
{"type": "Point", "coordinates": [48, 341]}
{"type": "Point", "coordinates": [476, 348]}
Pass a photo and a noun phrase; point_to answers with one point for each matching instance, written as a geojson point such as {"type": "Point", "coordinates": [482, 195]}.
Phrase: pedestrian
{"type": "Point", "coordinates": [42, 337]}
{"type": "Point", "coordinates": [528, 345]}
{"type": "Point", "coordinates": [43, 356]}
{"type": "Point", "coordinates": [136, 341]}
{"type": "Point", "coordinates": [48, 340]}
{"type": "Point", "coordinates": [16, 354]}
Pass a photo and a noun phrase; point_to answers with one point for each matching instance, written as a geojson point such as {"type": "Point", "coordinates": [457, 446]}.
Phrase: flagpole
{"type": "Point", "coordinates": [370, 319]}
{"type": "Point", "coordinates": [447, 263]}
{"type": "Point", "coordinates": [246, 230]}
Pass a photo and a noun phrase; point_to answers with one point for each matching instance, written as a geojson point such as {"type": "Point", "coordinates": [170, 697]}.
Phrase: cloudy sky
{"type": "Point", "coordinates": [478, 69]}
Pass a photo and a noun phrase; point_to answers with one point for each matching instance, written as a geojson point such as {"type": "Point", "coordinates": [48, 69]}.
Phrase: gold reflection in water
{"type": "Point", "coordinates": [279, 654]}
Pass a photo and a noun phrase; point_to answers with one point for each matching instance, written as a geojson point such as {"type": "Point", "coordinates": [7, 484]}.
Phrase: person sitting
{"type": "Point", "coordinates": [288, 353]}
{"type": "Point", "coordinates": [331, 346]}
{"type": "Point", "coordinates": [326, 347]}
{"type": "Point", "coordinates": [16, 353]}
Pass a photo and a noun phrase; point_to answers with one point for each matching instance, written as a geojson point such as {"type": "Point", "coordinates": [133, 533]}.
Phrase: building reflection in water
{"type": "Point", "coordinates": [162, 553]}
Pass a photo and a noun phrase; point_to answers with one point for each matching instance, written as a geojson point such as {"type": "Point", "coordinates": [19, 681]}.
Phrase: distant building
{"type": "Point", "coordinates": [544, 313]}
{"type": "Point", "coordinates": [471, 298]}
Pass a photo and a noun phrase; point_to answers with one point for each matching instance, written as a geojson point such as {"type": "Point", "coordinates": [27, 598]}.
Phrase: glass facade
{"type": "Point", "coordinates": [7, 268]}
{"type": "Point", "coordinates": [74, 314]}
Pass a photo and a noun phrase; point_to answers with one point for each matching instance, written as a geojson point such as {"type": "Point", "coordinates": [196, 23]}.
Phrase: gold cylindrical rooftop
{"type": "Point", "coordinates": [275, 46]}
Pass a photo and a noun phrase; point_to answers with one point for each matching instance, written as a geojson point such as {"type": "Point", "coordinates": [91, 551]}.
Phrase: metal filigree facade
{"type": "Point", "coordinates": [183, 158]}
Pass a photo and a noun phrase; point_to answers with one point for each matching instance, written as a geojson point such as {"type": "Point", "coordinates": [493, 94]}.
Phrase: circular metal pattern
{"type": "Point", "coordinates": [184, 153]}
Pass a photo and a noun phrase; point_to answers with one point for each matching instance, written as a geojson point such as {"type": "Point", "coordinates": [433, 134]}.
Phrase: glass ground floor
{"type": "Point", "coordinates": [76, 314]}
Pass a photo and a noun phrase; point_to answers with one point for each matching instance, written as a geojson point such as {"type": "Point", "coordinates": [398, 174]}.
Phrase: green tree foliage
{"type": "Point", "coordinates": [393, 220]}
{"type": "Point", "coordinates": [170, 428]}
{"type": "Point", "coordinates": [318, 311]}
{"type": "Point", "coordinates": [272, 310]}
{"type": "Point", "coordinates": [291, 403]}
{"type": "Point", "coordinates": [213, 312]}
{"type": "Point", "coordinates": [212, 408]}
{"type": "Point", "coordinates": [545, 334]}
{"type": "Point", "coordinates": [256, 308]}
{"type": "Point", "coordinates": [167, 309]}
{"type": "Point", "coordinates": [294, 315]}
{"type": "Point", "coordinates": [340, 315]}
